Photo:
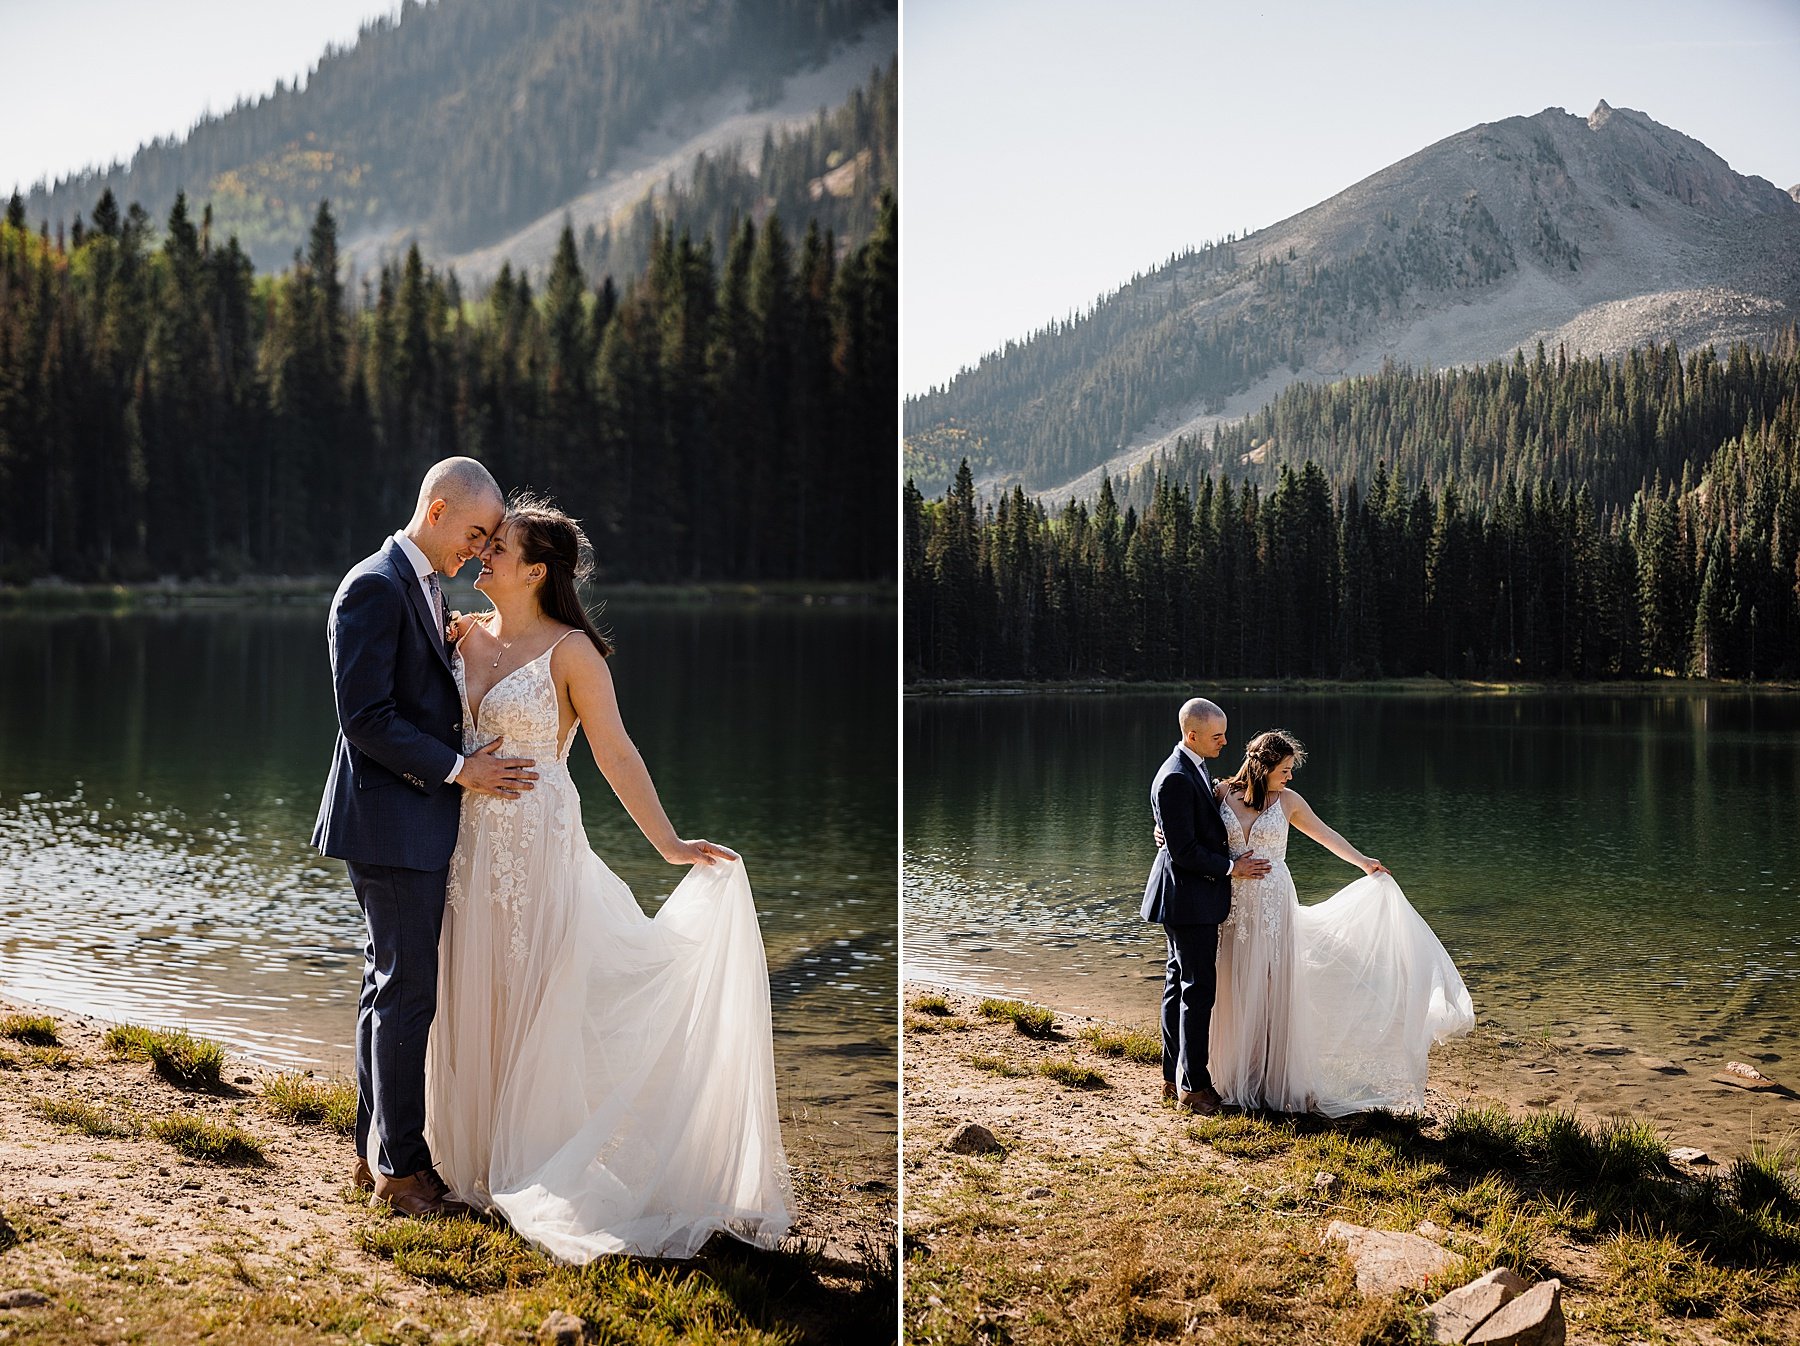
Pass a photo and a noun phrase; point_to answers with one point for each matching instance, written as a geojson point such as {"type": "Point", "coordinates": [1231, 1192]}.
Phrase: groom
{"type": "Point", "coordinates": [391, 805]}
{"type": "Point", "coordinates": [1189, 894]}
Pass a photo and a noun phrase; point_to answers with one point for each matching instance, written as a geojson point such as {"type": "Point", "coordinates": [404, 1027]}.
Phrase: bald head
{"type": "Point", "coordinates": [1202, 727]}
{"type": "Point", "coordinates": [459, 508]}
{"type": "Point", "coordinates": [457, 482]}
{"type": "Point", "coordinates": [1197, 712]}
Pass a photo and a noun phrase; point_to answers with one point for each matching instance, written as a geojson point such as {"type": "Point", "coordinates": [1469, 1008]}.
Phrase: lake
{"type": "Point", "coordinates": [1597, 863]}
{"type": "Point", "coordinates": [160, 771]}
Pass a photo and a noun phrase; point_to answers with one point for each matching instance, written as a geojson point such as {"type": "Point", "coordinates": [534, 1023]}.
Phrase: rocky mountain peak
{"type": "Point", "coordinates": [1600, 116]}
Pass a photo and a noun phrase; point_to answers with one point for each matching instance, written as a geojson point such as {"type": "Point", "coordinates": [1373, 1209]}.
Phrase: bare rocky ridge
{"type": "Point", "coordinates": [1597, 233]}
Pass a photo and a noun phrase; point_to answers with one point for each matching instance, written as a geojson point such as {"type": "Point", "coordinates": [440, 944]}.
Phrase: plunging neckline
{"type": "Point", "coordinates": [474, 711]}
{"type": "Point", "coordinates": [1256, 817]}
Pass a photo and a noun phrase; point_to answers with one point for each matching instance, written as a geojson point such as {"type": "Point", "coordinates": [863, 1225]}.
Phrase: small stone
{"type": "Point", "coordinates": [1387, 1262]}
{"type": "Point", "coordinates": [1661, 1065]}
{"type": "Point", "coordinates": [1036, 1193]}
{"type": "Point", "coordinates": [23, 1299]}
{"type": "Point", "coordinates": [1464, 1309]}
{"type": "Point", "coordinates": [1607, 1049]}
{"type": "Point", "coordinates": [1325, 1183]}
{"type": "Point", "coordinates": [1430, 1229]}
{"type": "Point", "coordinates": [1535, 1318]}
{"type": "Point", "coordinates": [191, 1185]}
{"type": "Point", "coordinates": [242, 1079]}
{"type": "Point", "coordinates": [1744, 1077]}
{"type": "Point", "coordinates": [1689, 1154]}
{"type": "Point", "coordinates": [973, 1138]}
{"type": "Point", "coordinates": [563, 1328]}
{"type": "Point", "coordinates": [411, 1327]}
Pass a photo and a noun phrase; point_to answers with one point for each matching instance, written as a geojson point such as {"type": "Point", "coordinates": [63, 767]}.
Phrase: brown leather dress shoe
{"type": "Point", "coordinates": [421, 1193]}
{"type": "Point", "coordinates": [1168, 1091]}
{"type": "Point", "coordinates": [1203, 1102]}
{"type": "Point", "coordinates": [363, 1176]}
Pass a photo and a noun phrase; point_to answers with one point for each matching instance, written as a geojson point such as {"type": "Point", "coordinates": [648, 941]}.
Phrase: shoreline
{"type": "Point", "coordinates": [58, 595]}
{"type": "Point", "coordinates": [1090, 1210]}
{"type": "Point", "coordinates": [114, 1228]}
{"type": "Point", "coordinates": [922, 689]}
{"type": "Point", "coordinates": [1593, 1076]}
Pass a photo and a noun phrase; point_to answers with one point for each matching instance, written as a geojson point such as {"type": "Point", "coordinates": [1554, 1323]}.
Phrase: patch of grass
{"type": "Point", "coordinates": [929, 1004]}
{"type": "Point", "coordinates": [1072, 1074]}
{"type": "Point", "coordinates": [920, 1023]}
{"type": "Point", "coordinates": [331, 1103]}
{"type": "Point", "coordinates": [182, 1059]}
{"type": "Point", "coordinates": [85, 1117]}
{"type": "Point", "coordinates": [34, 1030]}
{"type": "Point", "coordinates": [1672, 1278]}
{"type": "Point", "coordinates": [1034, 1021]}
{"type": "Point", "coordinates": [1133, 1044]}
{"type": "Point", "coordinates": [9, 1237]}
{"type": "Point", "coordinates": [1761, 1181]}
{"type": "Point", "coordinates": [1242, 1136]}
{"type": "Point", "coordinates": [51, 1058]}
{"type": "Point", "coordinates": [995, 1065]}
{"type": "Point", "coordinates": [214, 1142]}
{"type": "Point", "coordinates": [128, 1041]}
{"type": "Point", "coordinates": [460, 1253]}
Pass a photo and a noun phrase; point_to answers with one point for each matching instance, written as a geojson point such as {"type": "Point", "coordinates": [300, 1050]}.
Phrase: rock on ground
{"type": "Point", "coordinates": [1535, 1318]}
{"type": "Point", "coordinates": [1388, 1261]}
{"type": "Point", "coordinates": [1455, 1317]}
{"type": "Point", "coordinates": [973, 1138]}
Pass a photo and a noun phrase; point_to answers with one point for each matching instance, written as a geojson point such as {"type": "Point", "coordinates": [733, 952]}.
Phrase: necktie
{"type": "Point", "coordinates": [437, 602]}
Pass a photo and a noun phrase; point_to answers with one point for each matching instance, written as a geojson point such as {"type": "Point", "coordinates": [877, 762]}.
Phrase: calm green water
{"type": "Point", "coordinates": [1611, 863]}
{"type": "Point", "coordinates": [159, 774]}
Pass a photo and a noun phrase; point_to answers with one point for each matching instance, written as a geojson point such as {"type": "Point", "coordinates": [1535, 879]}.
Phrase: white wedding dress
{"type": "Point", "coordinates": [602, 1079]}
{"type": "Point", "coordinates": [1330, 1008]}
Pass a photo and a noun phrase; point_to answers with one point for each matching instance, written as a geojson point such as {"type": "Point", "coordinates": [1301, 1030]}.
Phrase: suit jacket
{"type": "Point", "coordinates": [1188, 883]}
{"type": "Point", "coordinates": [399, 718]}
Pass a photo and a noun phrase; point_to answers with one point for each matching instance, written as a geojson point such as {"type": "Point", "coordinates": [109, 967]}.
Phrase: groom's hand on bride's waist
{"type": "Point", "coordinates": [490, 774]}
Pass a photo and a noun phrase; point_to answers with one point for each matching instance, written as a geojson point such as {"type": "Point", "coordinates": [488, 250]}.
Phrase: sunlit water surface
{"type": "Point", "coordinates": [1595, 863]}
{"type": "Point", "coordinates": [159, 775]}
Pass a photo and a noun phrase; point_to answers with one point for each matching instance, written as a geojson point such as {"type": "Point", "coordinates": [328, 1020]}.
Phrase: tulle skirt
{"type": "Point", "coordinates": [1331, 1008]}
{"type": "Point", "coordinates": [603, 1080]}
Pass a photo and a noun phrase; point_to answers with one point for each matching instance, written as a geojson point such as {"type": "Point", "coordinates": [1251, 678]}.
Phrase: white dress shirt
{"type": "Point", "coordinates": [423, 568]}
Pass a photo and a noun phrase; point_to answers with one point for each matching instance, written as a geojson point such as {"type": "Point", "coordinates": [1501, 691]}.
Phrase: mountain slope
{"type": "Point", "coordinates": [466, 120]}
{"type": "Point", "coordinates": [1598, 233]}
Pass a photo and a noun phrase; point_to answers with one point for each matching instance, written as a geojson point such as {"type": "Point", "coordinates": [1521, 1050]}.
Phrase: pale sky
{"type": "Point", "coordinates": [1052, 148]}
{"type": "Point", "coordinates": [88, 81]}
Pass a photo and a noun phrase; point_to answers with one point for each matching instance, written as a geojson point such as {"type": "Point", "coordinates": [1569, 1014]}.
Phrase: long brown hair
{"type": "Point", "coordinates": [544, 535]}
{"type": "Point", "coordinates": [1262, 755]}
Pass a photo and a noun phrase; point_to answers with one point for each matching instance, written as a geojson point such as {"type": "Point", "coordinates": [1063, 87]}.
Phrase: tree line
{"type": "Point", "coordinates": [164, 410]}
{"type": "Point", "coordinates": [1464, 562]}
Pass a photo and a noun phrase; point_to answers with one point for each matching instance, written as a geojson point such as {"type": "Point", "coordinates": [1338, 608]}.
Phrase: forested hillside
{"type": "Point", "coordinates": [1534, 518]}
{"type": "Point", "coordinates": [164, 410]}
{"type": "Point", "coordinates": [834, 172]}
{"type": "Point", "coordinates": [462, 119]}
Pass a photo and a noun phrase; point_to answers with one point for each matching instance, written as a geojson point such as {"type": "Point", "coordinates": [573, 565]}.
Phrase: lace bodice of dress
{"type": "Point", "coordinates": [1263, 901]}
{"type": "Point", "coordinates": [520, 708]}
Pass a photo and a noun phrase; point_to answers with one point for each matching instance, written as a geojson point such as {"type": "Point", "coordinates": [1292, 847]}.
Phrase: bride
{"type": "Point", "coordinates": [602, 1079]}
{"type": "Point", "coordinates": [1329, 1008]}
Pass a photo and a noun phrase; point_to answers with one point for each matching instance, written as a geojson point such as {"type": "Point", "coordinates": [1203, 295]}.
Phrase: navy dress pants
{"type": "Point", "coordinates": [404, 911]}
{"type": "Point", "coordinates": [1190, 983]}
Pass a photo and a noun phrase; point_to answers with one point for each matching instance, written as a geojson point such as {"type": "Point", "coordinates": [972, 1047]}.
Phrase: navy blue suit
{"type": "Point", "coordinates": [389, 813]}
{"type": "Point", "coordinates": [1189, 894]}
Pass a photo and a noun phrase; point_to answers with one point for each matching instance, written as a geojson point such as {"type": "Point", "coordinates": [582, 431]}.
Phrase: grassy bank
{"type": "Point", "coordinates": [154, 1189]}
{"type": "Point", "coordinates": [61, 596]}
{"type": "Point", "coordinates": [1107, 1216]}
{"type": "Point", "coordinates": [1364, 686]}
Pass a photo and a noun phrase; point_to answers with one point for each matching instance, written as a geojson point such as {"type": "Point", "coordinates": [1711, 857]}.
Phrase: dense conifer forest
{"type": "Point", "coordinates": [1533, 518]}
{"type": "Point", "coordinates": [164, 410]}
{"type": "Point", "coordinates": [464, 118]}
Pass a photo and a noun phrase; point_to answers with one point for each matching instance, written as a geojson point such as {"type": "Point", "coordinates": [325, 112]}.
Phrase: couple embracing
{"type": "Point", "coordinates": [528, 1043]}
{"type": "Point", "coordinates": [1330, 1008]}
